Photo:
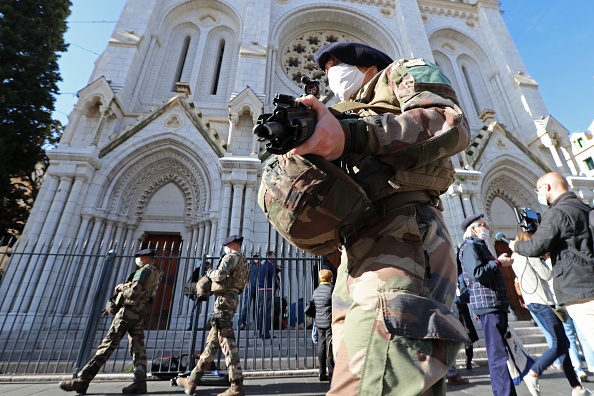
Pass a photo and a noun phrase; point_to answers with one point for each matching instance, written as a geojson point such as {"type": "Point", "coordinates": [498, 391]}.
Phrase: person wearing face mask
{"type": "Point", "coordinates": [137, 293]}
{"type": "Point", "coordinates": [393, 132]}
{"type": "Point", "coordinates": [228, 282]}
{"type": "Point", "coordinates": [488, 297]}
{"type": "Point", "coordinates": [564, 232]}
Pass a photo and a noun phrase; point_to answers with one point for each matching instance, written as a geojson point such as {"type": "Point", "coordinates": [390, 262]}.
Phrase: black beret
{"type": "Point", "coordinates": [145, 252]}
{"type": "Point", "coordinates": [356, 54]}
{"type": "Point", "coordinates": [470, 219]}
{"type": "Point", "coordinates": [232, 238]}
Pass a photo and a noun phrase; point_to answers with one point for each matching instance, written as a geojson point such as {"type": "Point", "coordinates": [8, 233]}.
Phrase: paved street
{"type": "Point", "coordinates": [553, 383]}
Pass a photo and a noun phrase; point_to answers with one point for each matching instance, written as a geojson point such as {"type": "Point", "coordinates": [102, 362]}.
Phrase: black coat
{"type": "Point", "coordinates": [564, 233]}
{"type": "Point", "coordinates": [322, 298]}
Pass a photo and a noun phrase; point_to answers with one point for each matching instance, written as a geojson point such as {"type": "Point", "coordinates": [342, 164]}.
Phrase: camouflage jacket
{"type": "Point", "coordinates": [401, 130]}
{"type": "Point", "coordinates": [143, 286]}
{"type": "Point", "coordinates": [231, 273]}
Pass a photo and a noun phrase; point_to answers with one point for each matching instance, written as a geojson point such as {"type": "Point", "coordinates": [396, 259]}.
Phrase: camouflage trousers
{"type": "Point", "coordinates": [393, 330]}
{"type": "Point", "coordinates": [221, 335]}
{"type": "Point", "coordinates": [129, 319]}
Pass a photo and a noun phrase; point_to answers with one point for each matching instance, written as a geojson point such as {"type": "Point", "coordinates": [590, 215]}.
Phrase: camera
{"type": "Point", "coordinates": [528, 219]}
{"type": "Point", "coordinates": [290, 123]}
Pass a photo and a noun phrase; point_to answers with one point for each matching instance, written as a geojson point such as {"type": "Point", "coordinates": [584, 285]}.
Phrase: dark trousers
{"type": "Point", "coordinates": [494, 329]}
{"type": "Point", "coordinates": [325, 356]}
{"type": "Point", "coordinates": [560, 344]}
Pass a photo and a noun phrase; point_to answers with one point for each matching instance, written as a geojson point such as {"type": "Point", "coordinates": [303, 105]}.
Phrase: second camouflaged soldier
{"type": "Point", "coordinates": [228, 281]}
{"type": "Point", "coordinates": [137, 293]}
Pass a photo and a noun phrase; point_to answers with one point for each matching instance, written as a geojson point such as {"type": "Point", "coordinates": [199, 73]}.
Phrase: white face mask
{"type": "Point", "coordinates": [226, 249]}
{"type": "Point", "coordinates": [138, 261]}
{"type": "Point", "coordinates": [542, 197]}
{"type": "Point", "coordinates": [345, 80]}
{"type": "Point", "coordinates": [483, 234]}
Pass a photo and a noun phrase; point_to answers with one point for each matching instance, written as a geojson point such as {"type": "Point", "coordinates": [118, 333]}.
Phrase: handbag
{"type": "Point", "coordinates": [519, 361]}
{"type": "Point", "coordinates": [310, 310]}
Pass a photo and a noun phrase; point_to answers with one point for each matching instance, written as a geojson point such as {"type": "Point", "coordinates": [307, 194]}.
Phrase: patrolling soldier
{"type": "Point", "coordinates": [135, 294]}
{"type": "Point", "coordinates": [228, 281]}
{"type": "Point", "coordinates": [394, 131]}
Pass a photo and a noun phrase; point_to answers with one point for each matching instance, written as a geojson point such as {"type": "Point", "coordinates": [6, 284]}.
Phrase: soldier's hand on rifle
{"type": "Point", "coordinates": [328, 138]}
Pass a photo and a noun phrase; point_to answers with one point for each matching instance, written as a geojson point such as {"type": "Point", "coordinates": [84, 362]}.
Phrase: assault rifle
{"type": "Point", "coordinates": [290, 123]}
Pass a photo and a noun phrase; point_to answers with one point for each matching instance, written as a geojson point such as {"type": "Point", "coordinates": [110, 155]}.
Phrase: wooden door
{"type": "Point", "coordinates": [167, 247]}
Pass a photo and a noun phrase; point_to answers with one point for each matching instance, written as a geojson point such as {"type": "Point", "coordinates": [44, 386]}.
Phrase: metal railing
{"type": "Point", "coordinates": [52, 315]}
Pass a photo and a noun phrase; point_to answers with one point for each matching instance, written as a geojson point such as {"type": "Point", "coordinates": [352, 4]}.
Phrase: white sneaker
{"type": "Point", "coordinates": [532, 385]}
{"type": "Point", "coordinates": [583, 392]}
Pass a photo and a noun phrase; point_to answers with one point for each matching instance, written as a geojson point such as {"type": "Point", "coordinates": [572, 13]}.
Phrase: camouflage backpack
{"type": "Point", "coordinates": [312, 203]}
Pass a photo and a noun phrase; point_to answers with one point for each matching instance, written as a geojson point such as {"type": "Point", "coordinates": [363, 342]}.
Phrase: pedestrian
{"type": "Point", "coordinates": [267, 287]}
{"type": "Point", "coordinates": [322, 299]}
{"type": "Point", "coordinates": [249, 296]}
{"type": "Point", "coordinates": [488, 297]}
{"type": "Point", "coordinates": [135, 294]}
{"type": "Point", "coordinates": [228, 282]}
{"type": "Point", "coordinates": [532, 276]}
{"type": "Point", "coordinates": [565, 234]}
{"type": "Point", "coordinates": [397, 125]}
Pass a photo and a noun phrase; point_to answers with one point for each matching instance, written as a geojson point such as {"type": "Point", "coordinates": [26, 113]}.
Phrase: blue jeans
{"type": "Point", "coordinates": [264, 313]}
{"type": "Point", "coordinates": [249, 303]}
{"type": "Point", "coordinates": [494, 329]}
{"type": "Point", "coordinates": [545, 331]}
{"type": "Point", "coordinates": [560, 347]}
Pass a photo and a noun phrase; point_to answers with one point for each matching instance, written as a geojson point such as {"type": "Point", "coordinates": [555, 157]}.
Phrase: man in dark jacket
{"type": "Point", "coordinates": [322, 298]}
{"type": "Point", "coordinates": [488, 297]}
{"type": "Point", "coordinates": [564, 233]}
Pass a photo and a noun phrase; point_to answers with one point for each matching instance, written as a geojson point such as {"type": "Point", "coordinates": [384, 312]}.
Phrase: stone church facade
{"type": "Point", "coordinates": [160, 146]}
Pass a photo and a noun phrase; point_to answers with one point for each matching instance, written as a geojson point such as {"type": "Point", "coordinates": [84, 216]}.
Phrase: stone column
{"type": "Point", "coordinates": [233, 119]}
{"type": "Point", "coordinates": [225, 210]}
{"type": "Point", "coordinates": [70, 207]}
{"type": "Point", "coordinates": [57, 208]}
{"type": "Point", "coordinates": [237, 207]}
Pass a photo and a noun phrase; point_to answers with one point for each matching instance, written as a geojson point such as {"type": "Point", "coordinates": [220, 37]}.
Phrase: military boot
{"type": "Point", "coordinates": [188, 384]}
{"type": "Point", "coordinates": [77, 385]}
{"type": "Point", "coordinates": [135, 388]}
{"type": "Point", "coordinates": [236, 389]}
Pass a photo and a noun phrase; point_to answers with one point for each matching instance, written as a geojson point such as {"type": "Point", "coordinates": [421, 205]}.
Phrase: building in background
{"type": "Point", "coordinates": [159, 148]}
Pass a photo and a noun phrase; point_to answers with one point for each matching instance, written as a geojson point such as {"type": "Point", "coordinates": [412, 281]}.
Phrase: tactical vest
{"type": "Point", "coordinates": [237, 279]}
{"type": "Point", "coordinates": [150, 286]}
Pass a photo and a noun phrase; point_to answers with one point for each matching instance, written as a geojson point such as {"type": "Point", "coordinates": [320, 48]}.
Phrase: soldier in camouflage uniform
{"type": "Point", "coordinates": [129, 319]}
{"type": "Point", "coordinates": [228, 282]}
{"type": "Point", "coordinates": [394, 131]}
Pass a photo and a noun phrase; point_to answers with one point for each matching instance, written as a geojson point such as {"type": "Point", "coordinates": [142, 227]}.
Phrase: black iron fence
{"type": "Point", "coordinates": [53, 296]}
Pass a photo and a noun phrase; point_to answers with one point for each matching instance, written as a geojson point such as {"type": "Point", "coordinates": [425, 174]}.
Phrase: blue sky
{"type": "Point", "coordinates": [555, 39]}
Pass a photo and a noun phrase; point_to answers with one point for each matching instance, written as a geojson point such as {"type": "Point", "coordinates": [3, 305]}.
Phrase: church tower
{"type": "Point", "coordinates": [159, 148]}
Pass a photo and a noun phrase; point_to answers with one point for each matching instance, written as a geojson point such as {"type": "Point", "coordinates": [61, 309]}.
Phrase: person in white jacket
{"type": "Point", "coordinates": [533, 274]}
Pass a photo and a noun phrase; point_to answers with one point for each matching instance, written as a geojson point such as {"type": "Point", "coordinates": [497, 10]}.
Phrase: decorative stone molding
{"type": "Point", "coordinates": [174, 121]}
{"type": "Point", "coordinates": [449, 12]}
{"type": "Point", "coordinates": [297, 57]}
{"type": "Point", "coordinates": [144, 178]}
